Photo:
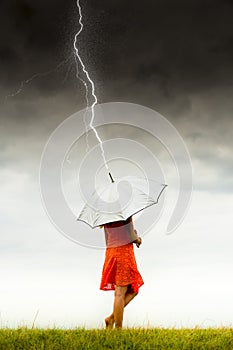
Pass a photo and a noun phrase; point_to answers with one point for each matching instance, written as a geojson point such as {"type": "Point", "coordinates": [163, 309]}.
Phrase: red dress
{"type": "Point", "coordinates": [120, 267]}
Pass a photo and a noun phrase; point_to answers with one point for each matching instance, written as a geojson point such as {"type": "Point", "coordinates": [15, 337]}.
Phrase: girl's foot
{"type": "Point", "coordinates": [109, 322]}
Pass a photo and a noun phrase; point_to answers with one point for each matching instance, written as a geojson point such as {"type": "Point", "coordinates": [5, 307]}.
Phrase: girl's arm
{"type": "Point", "coordinates": [133, 233]}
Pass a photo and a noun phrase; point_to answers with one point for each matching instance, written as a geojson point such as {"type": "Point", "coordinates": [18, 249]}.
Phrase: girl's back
{"type": "Point", "coordinates": [117, 233]}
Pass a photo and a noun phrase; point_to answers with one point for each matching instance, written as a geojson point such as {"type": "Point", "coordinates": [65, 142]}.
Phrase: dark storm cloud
{"type": "Point", "coordinates": [174, 47]}
{"type": "Point", "coordinates": [166, 44]}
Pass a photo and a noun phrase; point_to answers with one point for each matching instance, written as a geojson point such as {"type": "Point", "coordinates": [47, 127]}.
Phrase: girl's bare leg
{"type": "Point", "coordinates": [119, 304]}
{"type": "Point", "coordinates": [109, 321]}
{"type": "Point", "coordinates": [129, 297]}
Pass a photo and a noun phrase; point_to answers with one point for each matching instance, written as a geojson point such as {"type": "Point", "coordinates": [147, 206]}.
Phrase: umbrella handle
{"type": "Point", "coordinates": [111, 177]}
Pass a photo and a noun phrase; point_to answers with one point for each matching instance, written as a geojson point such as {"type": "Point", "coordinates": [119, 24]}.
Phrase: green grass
{"type": "Point", "coordinates": [125, 339]}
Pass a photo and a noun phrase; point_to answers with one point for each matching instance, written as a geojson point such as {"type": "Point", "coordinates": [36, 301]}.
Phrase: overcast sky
{"type": "Point", "coordinates": [173, 56]}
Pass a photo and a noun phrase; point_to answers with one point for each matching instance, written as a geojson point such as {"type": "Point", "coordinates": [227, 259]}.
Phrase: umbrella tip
{"type": "Point", "coordinates": [111, 177]}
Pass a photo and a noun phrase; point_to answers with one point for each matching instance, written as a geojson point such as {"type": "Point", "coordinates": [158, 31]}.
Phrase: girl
{"type": "Point", "coordinates": [120, 271]}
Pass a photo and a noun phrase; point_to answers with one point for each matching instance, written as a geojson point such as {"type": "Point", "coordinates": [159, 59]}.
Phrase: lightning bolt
{"type": "Point", "coordinates": [37, 75]}
{"type": "Point", "coordinates": [86, 83]}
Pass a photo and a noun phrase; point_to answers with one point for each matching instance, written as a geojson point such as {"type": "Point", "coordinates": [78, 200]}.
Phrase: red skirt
{"type": "Point", "coordinates": [120, 269]}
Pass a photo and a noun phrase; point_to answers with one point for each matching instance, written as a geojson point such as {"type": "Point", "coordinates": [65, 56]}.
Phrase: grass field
{"type": "Point", "coordinates": [125, 339]}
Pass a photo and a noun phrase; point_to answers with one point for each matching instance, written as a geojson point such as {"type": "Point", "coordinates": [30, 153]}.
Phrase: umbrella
{"type": "Point", "coordinates": [120, 199]}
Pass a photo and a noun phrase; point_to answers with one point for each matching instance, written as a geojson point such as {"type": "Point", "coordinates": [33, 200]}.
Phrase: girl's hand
{"type": "Point", "coordinates": [138, 242]}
